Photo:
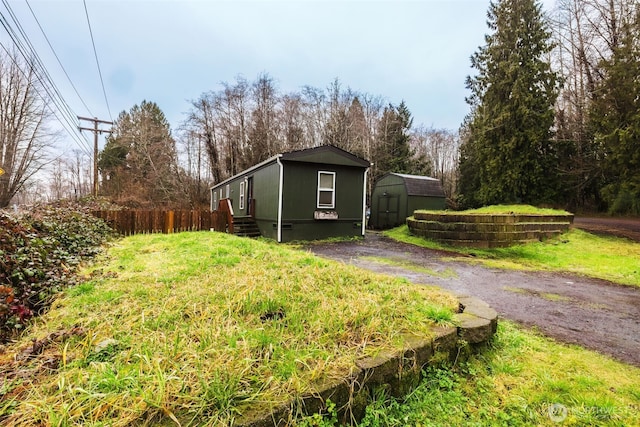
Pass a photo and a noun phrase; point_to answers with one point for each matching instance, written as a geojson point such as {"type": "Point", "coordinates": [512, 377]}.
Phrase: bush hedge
{"type": "Point", "coordinates": [39, 255]}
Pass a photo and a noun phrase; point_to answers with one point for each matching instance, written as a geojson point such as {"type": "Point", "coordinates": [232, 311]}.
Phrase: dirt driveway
{"type": "Point", "coordinates": [592, 313]}
{"type": "Point", "coordinates": [621, 227]}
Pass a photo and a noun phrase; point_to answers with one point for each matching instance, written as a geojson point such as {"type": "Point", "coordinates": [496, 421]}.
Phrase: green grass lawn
{"type": "Point", "coordinates": [199, 327]}
{"type": "Point", "coordinates": [520, 379]}
{"type": "Point", "coordinates": [609, 258]}
{"type": "Point", "coordinates": [193, 328]}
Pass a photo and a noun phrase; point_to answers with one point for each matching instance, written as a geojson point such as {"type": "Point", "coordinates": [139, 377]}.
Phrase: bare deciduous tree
{"type": "Point", "coordinates": [441, 149]}
{"type": "Point", "coordinates": [195, 175]}
{"type": "Point", "coordinates": [70, 176]}
{"type": "Point", "coordinates": [24, 136]}
{"type": "Point", "coordinates": [231, 106]}
{"type": "Point", "coordinates": [263, 134]}
{"type": "Point", "coordinates": [291, 122]}
{"type": "Point", "coordinates": [245, 123]}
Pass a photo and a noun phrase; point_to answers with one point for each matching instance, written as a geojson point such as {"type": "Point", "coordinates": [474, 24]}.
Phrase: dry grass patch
{"type": "Point", "coordinates": [197, 327]}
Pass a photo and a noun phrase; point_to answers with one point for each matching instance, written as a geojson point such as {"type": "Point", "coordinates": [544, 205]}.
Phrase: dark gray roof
{"type": "Point", "coordinates": [417, 185]}
{"type": "Point", "coordinates": [326, 153]}
{"type": "Point", "coordinates": [322, 154]}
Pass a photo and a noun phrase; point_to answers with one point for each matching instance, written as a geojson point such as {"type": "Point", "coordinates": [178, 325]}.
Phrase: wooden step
{"type": "Point", "coordinates": [245, 227]}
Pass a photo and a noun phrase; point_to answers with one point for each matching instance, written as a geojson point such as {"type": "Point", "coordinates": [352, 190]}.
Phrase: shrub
{"type": "Point", "coordinates": [622, 199]}
{"type": "Point", "coordinates": [39, 256]}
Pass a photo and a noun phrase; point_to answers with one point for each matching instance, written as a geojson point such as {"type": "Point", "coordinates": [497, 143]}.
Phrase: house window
{"type": "Point", "coordinates": [215, 201]}
{"type": "Point", "coordinates": [221, 194]}
{"type": "Point", "coordinates": [241, 201]}
{"type": "Point", "coordinates": [326, 190]}
{"type": "Point", "coordinates": [228, 191]}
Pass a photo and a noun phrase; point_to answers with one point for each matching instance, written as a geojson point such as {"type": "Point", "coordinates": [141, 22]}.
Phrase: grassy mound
{"type": "Point", "coordinates": [197, 327]}
{"type": "Point", "coordinates": [506, 209]}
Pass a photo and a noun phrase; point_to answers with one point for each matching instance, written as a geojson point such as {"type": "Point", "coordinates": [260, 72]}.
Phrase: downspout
{"type": "Point", "coordinates": [280, 189]}
{"type": "Point", "coordinates": [364, 202]}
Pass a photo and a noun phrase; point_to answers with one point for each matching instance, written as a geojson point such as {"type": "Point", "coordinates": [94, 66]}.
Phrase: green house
{"type": "Point", "coordinates": [308, 194]}
{"type": "Point", "coordinates": [395, 196]}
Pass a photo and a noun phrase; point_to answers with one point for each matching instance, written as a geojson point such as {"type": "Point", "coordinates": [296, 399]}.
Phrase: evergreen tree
{"type": "Point", "coordinates": [392, 151]}
{"type": "Point", "coordinates": [615, 117]}
{"type": "Point", "coordinates": [508, 155]}
{"type": "Point", "coordinates": [139, 162]}
{"type": "Point", "coordinates": [468, 168]}
{"type": "Point", "coordinates": [400, 153]}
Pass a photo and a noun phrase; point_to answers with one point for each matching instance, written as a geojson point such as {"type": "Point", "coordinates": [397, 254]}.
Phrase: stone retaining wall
{"type": "Point", "coordinates": [487, 231]}
{"type": "Point", "coordinates": [398, 372]}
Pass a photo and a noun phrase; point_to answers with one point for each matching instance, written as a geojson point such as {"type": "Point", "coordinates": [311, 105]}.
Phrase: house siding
{"type": "Point", "coordinates": [300, 202]}
{"type": "Point", "coordinates": [299, 194]}
{"type": "Point", "coordinates": [265, 193]}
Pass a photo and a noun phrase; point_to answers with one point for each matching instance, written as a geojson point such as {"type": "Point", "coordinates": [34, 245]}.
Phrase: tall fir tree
{"type": "Point", "coordinates": [615, 119]}
{"type": "Point", "coordinates": [139, 161]}
{"type": "Point", "coordinates": [392, 152]}
{"type": "Point", "coordinates": [508, 155]}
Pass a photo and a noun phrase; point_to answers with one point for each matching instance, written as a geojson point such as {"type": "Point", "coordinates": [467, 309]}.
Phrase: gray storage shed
{"type": "Point", "coordinates": [395, 196]}
{"type": "Point", "coordinates": [308, 194]}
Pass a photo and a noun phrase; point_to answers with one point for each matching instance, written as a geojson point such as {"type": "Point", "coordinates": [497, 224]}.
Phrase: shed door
{"type": "Point", "coordinates": [388, 211]}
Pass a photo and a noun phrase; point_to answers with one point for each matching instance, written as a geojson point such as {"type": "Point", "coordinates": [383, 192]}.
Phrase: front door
{"type": "Point", "coordinates": [250, 202]}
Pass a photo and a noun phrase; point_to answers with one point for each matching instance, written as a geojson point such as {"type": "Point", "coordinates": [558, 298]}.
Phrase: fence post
{"type": "Point", "coordinates": [170, 221]}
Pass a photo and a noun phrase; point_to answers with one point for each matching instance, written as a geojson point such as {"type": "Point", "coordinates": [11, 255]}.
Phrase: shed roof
{"type": "Point", "coordinates": [418, 185]}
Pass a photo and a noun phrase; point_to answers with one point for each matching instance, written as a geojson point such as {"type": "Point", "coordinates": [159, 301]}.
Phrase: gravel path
{"type": "Point", "coordinates": [592, 313]}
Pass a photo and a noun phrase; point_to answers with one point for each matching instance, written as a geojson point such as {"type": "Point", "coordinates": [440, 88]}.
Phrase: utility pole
{"type": "Point", "coordinates": [95, 131]}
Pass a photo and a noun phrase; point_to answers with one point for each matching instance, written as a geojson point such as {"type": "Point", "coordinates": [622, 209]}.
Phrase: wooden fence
{"type": "Point", "coordinates": [128, 222]}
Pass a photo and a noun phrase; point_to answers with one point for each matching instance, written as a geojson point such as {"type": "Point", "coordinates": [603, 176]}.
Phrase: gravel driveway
{"type": "Point", "coordinates": [593, 313]}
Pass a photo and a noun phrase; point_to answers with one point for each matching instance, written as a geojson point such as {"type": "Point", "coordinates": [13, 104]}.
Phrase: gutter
{"type": "Point", "coordinates": [280, 191]}
{"type": "Point", "coordinates": [364, 202]}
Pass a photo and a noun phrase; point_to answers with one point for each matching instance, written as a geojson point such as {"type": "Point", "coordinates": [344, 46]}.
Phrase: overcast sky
{"type": "Point", "coordinates": [171, 52]}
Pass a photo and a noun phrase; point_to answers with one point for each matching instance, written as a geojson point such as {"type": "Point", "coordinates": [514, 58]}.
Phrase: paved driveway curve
{"type": "Point", "coordinates": [589, 312]}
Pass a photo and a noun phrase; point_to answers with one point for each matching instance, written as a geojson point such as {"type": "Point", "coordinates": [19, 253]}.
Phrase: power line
{"type": "Point", "coordinates": [39, 70]}
{"type": "Point", "coordinates": [96, 55]}
{"type": "Point", "coordinates": [26, 49]}
{"type": "Point", "coordinates": [69, 128]}
{"type": "Point", "coordinates": [66, 116]}
{"type": "Point", "coordinates": [57, 58]}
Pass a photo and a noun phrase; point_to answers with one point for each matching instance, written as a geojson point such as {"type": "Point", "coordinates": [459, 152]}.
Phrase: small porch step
{"type": "Point", "coordinates": [245, 226]}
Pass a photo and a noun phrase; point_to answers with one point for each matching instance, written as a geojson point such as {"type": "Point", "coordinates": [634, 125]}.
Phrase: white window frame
{"type": "Point", "coordinates": [221, 194]}
{"type": "Point", "coordinates": [215, 201]}
{"type": "Point", "coordinates": [241, 196]}
{"type": "Point", "coordinates": [228, 191]}
{"type": "Point", "coordinates": [325, 189]}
